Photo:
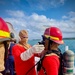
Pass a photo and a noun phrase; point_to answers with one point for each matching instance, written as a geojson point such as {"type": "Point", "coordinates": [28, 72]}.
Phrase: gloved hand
{"type": "Point", "coordinates": [37, 48]}
{"type": "Point", "coordinates": [29, 53]}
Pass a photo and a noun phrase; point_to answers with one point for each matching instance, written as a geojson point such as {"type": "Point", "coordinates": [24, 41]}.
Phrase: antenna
{"type": "Point", "coordinates": [66, 48]}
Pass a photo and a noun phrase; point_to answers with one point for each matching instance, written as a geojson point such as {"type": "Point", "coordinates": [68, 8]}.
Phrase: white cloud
{"type": "Point", "coordinates": [71, 14]}
{"type": "Point", "coordinates": [45, 4]}
{"type": "Point", "coordinates": [64, 17]}
{"type": "Point", "coordinates": [16, 13]}
{"type": "Point", "coordinates": [36, 24]}
{"type": "Point", "coordinates": [38, 18]}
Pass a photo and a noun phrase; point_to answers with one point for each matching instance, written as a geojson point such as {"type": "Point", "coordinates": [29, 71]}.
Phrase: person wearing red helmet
{"type": "Point", "coordinates": [4, 43]}
{"type": "Point", "coordinates": [52, 38]}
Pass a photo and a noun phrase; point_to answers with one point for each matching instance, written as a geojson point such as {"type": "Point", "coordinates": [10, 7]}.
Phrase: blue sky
{"type": "Point", "coordinates": [36, 15]}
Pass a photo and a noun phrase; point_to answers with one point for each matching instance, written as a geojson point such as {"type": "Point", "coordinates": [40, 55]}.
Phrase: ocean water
{"type": "Point", "coordinates": [67, 42]}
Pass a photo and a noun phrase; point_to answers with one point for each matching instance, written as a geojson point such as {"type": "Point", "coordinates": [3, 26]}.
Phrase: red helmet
{"type": "Point", "coordinates": [54, 34]}
{"type": "Point", "coordinates": [4, 30]}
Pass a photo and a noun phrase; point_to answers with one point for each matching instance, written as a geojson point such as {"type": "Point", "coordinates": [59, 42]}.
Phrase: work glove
{"type": "Point", "coordinates": [33, 50]}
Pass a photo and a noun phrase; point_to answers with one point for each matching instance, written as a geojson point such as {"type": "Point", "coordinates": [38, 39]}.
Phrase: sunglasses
{"type": "Point", "coordinates": [25, 37]}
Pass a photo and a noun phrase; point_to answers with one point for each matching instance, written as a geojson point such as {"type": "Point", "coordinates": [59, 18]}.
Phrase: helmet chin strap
{"type": "Point", "coordinates": [49, 44]}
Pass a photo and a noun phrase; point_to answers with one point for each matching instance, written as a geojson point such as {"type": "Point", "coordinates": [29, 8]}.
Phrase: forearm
{"type": "Point", "coordinates": [26, 55]}
{"type": "Point", "coordinates": [31, 51]}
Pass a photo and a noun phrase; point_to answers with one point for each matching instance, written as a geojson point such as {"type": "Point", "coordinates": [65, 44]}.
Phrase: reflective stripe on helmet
{"type": "Point", "coordinates": [4, 34]}
{"type": "Point", "coordinates": [51, 37]}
